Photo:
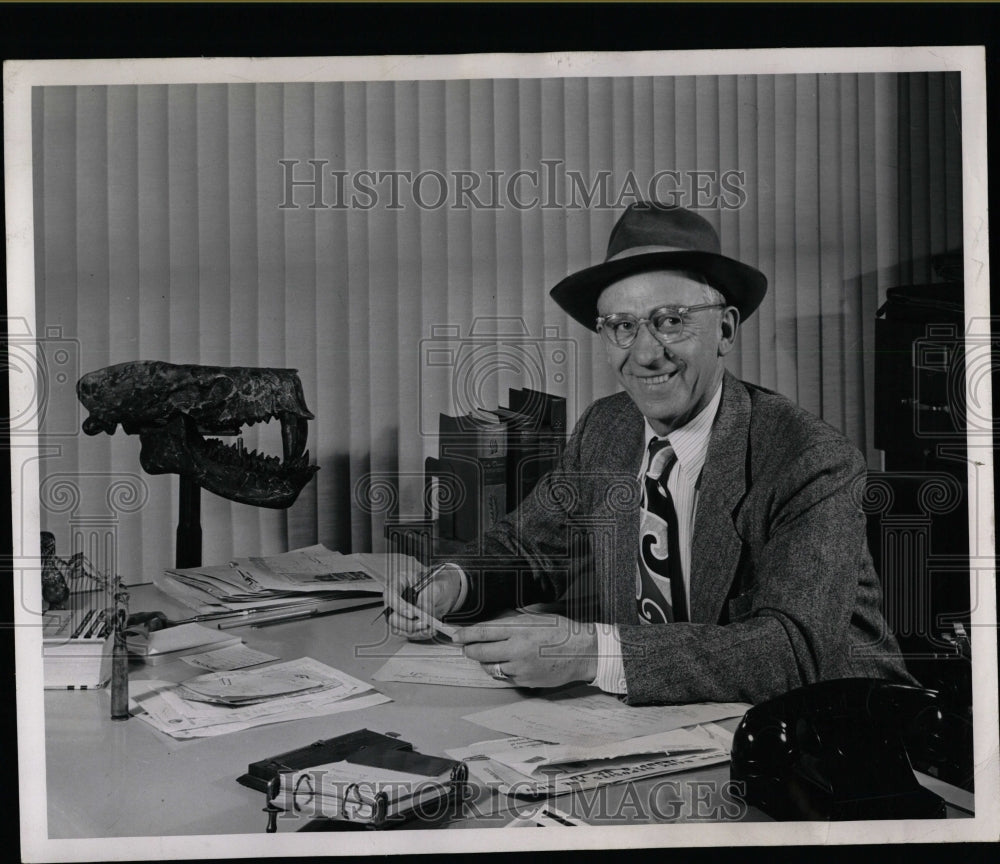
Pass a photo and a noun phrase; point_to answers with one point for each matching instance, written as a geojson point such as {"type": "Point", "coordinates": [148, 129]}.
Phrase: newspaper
{"type": "Point", "coordinates": [310, 574]}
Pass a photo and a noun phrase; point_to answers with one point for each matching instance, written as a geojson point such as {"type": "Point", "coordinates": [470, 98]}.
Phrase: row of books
{"type": "Point", "coordinates": [490, 460]}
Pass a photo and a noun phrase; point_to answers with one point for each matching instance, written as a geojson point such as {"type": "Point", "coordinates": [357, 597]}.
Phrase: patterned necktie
{"type": "Point", "coordinates": [659, 586]}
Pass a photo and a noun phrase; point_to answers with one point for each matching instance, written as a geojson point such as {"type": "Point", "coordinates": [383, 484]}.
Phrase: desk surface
{"type": "Point", "coordinates": [126, 779]}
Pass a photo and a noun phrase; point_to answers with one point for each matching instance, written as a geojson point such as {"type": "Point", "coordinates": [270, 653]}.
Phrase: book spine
{"type": "Point", "coordinates": [494, 494]}
{"type": "Point", "coordinates": [476, 452]}
{"type": "Point", "coordinates": [492, 455]}
{"type": "Point", "coordinates": [556, 438]}
{"type": "Point", "coordinates": [437, 499]}
{"type": "Point", "coordinates": [519, 448]}
{"type": "Point", "coordinates": [464, 475]}
{"type": "Point", "coordinates": [516, 451]}
{"type": "Point", "coordinates": [529, 403]}
{"type": "Point", "coordinates": [557, 414]}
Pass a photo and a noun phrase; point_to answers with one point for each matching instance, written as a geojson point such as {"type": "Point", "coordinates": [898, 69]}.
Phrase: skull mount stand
{"type": "Point", "coordinates": [188, 550]}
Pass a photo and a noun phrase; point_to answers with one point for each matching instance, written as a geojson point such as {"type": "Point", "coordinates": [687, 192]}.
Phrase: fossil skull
{"type": "Point", "coordinates": [172, 408]}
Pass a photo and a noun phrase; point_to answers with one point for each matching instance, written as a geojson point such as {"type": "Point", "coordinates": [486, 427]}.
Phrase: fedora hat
{"type": "Point", "coordinates": [653, 236]}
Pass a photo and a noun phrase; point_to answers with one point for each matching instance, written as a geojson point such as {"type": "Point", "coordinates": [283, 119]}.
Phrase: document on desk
{"type": "Point", "coordinates": [434, 663]}
{"type": "Point", "coordinates": [530, 757]}
{"type": "Point", "coordinates": [310, 568]}
{"type": "Point", "coordinates": [584, 717]}
{"type": "Point", "coordinates": [526, 767]}
{"type": "Point", "coordinates": [165, 708]}
{"type": "Point", "coordinates": [226, 659]}
{"type": "Point", "coordinates": [250, 686]}
{"type": "Point", "coordinates": [308, 575]}
{"type": "Point", "coordinates": [165, 718]}
{"type": "Point", "coordinates": [390, 567]}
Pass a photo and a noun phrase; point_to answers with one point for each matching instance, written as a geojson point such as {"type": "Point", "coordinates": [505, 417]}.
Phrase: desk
{"type": "Point", "coordinates": [126, 779]}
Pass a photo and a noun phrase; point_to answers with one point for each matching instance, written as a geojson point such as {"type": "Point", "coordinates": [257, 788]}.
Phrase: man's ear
{"type": "Point", "coordinates": [729, 324]}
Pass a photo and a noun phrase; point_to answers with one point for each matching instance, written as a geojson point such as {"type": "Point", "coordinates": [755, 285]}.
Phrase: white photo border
{"type": "Point", "coordinates": [21, 76]}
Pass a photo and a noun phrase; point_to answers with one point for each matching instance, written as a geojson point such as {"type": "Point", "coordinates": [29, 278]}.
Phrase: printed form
{"type": "Point", "coordinates": [583, 717]}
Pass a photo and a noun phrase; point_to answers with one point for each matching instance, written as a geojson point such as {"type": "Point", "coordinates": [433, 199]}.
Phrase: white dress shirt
{"type": "Point", "coordinates": [690, 446]}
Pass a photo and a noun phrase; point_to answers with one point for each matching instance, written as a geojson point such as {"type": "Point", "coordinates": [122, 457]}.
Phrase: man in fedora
{"type": "Point", "coordinates": [738, 566]}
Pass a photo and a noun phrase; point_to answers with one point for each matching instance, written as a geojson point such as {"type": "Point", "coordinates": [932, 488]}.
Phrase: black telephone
{"type": "Point", "coordinates": [836, 750]}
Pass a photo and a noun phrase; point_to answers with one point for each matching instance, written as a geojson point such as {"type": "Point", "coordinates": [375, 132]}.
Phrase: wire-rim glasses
{"type": "Point", "coordinates": [666, 323]}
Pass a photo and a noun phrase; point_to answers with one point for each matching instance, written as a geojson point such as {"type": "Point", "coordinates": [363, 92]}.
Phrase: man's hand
{"type": "Point", "coordinates": [436, 599]}
{"type": "Point", "coordinates": [534, 650]}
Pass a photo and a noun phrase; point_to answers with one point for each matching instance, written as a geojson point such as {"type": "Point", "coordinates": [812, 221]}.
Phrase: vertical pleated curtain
{"type": "Point", "coordinates": [163, 231]}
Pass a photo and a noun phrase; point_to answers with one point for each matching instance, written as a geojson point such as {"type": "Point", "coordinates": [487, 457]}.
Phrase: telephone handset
{"type": "Point", "coordinates": [836, 750]}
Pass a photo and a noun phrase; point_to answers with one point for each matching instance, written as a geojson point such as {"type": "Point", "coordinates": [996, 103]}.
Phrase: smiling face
{"type": "Point", "coordinates": [669, 383]}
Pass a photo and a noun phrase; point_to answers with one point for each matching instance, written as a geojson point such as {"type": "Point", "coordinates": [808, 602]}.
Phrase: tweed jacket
{"type": "Point", "coordinates": [782, 587]}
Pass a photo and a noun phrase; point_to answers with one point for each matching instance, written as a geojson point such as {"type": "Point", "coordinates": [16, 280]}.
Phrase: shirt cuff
{"type": "Point", "coordinates": [463, 591]}
{"type": "Point", "coordinates": [610, 666]}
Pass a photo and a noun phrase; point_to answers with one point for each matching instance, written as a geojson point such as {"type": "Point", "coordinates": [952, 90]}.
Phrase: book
{"type": "Point", "coordinates": [473, 453]}
{"type": "Point", "coordinates": [263, 775]}
{"type": "Point", "coordinates": [550, 410]}
{"type": "Point", "coordinates": [360, 777]}
{"type": "Point", "coordinates": [531, 453]}
{"type": "Point", "coordinates": [76, 648]}
{"type": "Point", "coordinates": [437, 497]}
{"type": "Point", "coordinates": [536, 428]}
{"type": "Point", "coordinates": [376, 790]}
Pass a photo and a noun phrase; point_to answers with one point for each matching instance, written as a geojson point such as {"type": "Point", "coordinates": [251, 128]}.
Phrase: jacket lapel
{"type": "Point", "coordinates": [715, 547]}
{"type": "Point", "coordinates": [624, 465]}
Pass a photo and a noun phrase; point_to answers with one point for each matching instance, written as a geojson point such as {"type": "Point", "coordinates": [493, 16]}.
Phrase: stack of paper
{"type": "Point", "coordinates": [580, 739]}
{"type": "Point", "coordinates": [241, 700]}
{"type": "Point", "coordinates": [259, 685]}
{"type": "Point", "coordinates": [307, 578]}
{"type": "Point", "coordinates": [527, 767]}
{"type": "Point", "coordinates": [174, 642]}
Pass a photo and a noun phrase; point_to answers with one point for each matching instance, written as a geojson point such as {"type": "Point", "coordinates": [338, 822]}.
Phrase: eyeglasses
{"type": "Point", "coordinates": [666, 323]}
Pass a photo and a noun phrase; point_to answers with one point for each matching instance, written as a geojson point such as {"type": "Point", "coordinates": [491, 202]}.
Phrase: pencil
{"type": "Point", "coordinates": [411, 592]}
{"type": "Point", "coordinates": [94, 627]}
{"type": "Point", "coordinates": [80, 627]}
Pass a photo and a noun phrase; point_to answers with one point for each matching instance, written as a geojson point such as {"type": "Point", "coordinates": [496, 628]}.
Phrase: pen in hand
{"type": "Point", "coordinates": [410, 592]}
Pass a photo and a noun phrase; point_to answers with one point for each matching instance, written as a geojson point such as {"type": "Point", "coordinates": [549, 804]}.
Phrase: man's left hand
{"type": "Point", "coordinates": [534, 650]}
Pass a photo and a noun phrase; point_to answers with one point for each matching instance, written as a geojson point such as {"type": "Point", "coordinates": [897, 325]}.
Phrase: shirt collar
{"type": "Point", "coordinates": [690, 441]}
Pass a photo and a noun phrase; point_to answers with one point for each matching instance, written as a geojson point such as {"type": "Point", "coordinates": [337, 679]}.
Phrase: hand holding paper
{"type": "Point", "coordinates": [533, 650]}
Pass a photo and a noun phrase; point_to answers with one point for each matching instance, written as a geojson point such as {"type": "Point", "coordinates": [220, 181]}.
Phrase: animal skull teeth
{"type": "Point", "coordinates": [173, 407]}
